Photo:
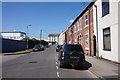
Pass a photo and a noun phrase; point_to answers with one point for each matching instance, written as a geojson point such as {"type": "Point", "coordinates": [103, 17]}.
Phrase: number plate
{"type": "Point", "coordinates": [75, 57]}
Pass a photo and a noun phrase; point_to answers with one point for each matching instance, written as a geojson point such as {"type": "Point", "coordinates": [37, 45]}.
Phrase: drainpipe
{"type": "Point", "coordinates": [89, 32]}
{"type": "Point", "coordinates": [97, 44]}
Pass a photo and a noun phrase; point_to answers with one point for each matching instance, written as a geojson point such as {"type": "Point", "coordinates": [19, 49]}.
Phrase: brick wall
{"type": "Point", "coordinates": [79, 37]}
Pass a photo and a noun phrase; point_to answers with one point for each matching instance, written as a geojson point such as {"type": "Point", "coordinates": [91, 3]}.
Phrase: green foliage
{"type": "Point", "coordinates": [24, 39]}
{"type": "Point", "coordinates": [43, 42]}
{"type": "Point", "coordinates": [33, 41]}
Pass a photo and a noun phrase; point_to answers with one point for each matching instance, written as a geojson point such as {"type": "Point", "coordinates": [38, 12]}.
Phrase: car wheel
{"type": "Point", "coordinates": [61, 65]}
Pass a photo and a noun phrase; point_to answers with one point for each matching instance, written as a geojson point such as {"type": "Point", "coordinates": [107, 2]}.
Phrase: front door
{"type": "Point", "coordinates": [94, 37]}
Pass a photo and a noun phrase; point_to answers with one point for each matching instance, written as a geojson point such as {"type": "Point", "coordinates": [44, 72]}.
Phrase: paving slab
{"type": "Point", "coordinates": [103, 68]}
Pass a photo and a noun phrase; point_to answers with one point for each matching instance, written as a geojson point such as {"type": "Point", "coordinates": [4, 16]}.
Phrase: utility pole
{"type": "Point", "coordinates": [40, 35]}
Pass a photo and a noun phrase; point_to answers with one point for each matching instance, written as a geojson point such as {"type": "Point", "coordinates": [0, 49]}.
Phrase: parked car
{"type": "Point", "coordinates": [72, 54]}
{"type": "Point", "coordinates": [38, 47]}
{"type": "Point", "coordinates": [58, 48]}
{"type": "Point", "coordinates": [46, 46]}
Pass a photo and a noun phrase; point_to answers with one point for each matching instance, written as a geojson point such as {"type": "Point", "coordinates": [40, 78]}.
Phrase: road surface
{"type": "Point", "coordinates": [41, 64]}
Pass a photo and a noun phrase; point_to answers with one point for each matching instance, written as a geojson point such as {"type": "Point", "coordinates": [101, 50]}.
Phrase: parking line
{"type": "Point", "coordinates": [58, 74]}
{"type": "Point", "coordinates": [56, 62]}
{"type": "Point", "coordinates": [56, 67]}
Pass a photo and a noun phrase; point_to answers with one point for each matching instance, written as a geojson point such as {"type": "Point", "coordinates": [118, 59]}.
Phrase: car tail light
{"type": "Point", "coordinates": [62, 52]}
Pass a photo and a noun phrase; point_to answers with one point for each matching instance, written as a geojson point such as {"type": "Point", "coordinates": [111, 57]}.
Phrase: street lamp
{"type": "Point", "coordinates": [40, 35]}
{"type": "Point", "coordinates": [27, 34]}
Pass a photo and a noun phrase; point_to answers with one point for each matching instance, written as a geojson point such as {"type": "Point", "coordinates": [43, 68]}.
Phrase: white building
{"type": "Point", "coordinates": [16, 35]}
{"type": "Point", "coordinates": [53, 38]}
{"type": "Point", "coordinates": [106, 19]}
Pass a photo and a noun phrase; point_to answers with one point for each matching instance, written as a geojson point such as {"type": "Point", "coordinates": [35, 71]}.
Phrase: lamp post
{"type": "Point", "coordinates": [40, 35]}
{"type": "Point", "coordinates": [27, 35]}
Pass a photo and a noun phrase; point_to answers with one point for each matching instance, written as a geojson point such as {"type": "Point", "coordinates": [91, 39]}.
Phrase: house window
{"type": "Point", "coordinates": [14, 37]}
{"type": "Point", "coordinates": [105, 8]}
{"type": "Point", "coordinates": [75, 38]}
{"type": "Point", "coordinates": [87, 41]}
{"type": "Point", "coordinates": [21, 35]}
{"type": "Point", "coordinates": [80, 24]}
{"type": "Point", "coordinates": [74, 28]}
{"type": "Point", "coordinates": [54, 39]}
{"type": "Point", "coordinates": [106, 39]}
{"type": "Point", "coordinates": [86, 20]}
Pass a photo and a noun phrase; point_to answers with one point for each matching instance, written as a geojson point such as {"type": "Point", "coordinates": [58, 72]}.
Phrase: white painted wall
{"type": "Point", "coordinates": [53, 38]}
{"type": "Point", "coordinates": [12, 35]}
{"type": "Point", "coordinates": [62, 38]}
{"type": "Point", "coordinates": [110, 20]}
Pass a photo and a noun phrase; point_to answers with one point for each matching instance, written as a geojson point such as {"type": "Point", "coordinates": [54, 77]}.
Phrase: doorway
{"type": "Point", "coordinates": [94, 38]}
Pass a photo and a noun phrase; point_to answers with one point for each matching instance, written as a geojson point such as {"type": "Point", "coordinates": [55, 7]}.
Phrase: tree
{"type": "Point", "coordinates": [32, 42]}
{"type": "Point", "coordinates": [24, 39]}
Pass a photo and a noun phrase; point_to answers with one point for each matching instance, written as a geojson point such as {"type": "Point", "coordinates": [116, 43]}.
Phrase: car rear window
{"type": "Point", "coordinates": [74, 48]}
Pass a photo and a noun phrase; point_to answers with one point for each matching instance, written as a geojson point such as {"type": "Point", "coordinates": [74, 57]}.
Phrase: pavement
{"type": "Point", "coordinates": [104, 69]}
{"type": "Point", "coordinates": [18, 52]}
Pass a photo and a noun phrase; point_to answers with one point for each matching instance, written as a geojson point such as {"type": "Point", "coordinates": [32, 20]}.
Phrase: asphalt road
{"type": "Point", "coordinates": [42, 64]}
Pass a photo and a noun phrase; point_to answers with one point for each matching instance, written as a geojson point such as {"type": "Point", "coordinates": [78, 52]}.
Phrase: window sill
{"type": "Point", "coordinates": [86, 26]}
{"type": "Point", "coordinates": [105, 15]}
{"type": "Point", "coordinates": [80, 29]}
{"type": "Point", "coordinates": [107, 49]}
{"type": "Point", "coordinates": [86, 48]}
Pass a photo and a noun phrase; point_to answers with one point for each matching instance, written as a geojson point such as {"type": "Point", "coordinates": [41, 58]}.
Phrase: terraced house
{"type": "Point", "coordinates": [96, 29]}
{"type": "Point", "coordinates": [81, 31]}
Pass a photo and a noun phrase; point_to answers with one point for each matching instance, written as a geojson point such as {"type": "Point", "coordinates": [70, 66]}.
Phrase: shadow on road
{"type": "Point", "coordinates": [85, 66]}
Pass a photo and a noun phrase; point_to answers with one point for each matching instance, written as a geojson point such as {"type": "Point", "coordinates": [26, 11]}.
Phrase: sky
{"type": "Point", "coordinates": [50, 17]}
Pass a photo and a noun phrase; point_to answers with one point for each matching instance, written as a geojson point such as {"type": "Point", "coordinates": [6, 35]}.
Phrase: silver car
{"type": "Point", "coordinates": [38, 47]}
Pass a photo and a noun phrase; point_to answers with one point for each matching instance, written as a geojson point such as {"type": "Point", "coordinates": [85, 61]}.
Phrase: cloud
{"type": "Point", "coordinates": [71, 21]}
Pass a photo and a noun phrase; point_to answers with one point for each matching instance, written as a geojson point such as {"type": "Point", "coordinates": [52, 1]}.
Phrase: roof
{"type": "Point", "coordinates": [83, 12]}
{"type": "Point", "coordinates": [53, 34]}
{"type": "Point", "coordinates": [14, 32]}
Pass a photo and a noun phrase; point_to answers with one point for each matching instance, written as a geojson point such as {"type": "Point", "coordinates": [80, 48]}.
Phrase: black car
{"type": "Point", "coordinates": [58, 48]}
{"type": "Point", "coordinates": [38, 47]}
{"type": "Point", "coordinates": [72, 54]}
